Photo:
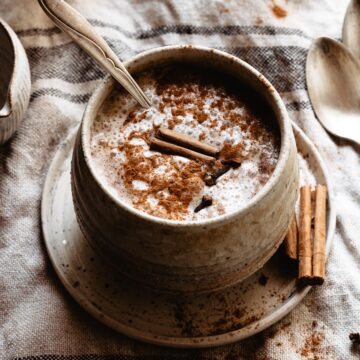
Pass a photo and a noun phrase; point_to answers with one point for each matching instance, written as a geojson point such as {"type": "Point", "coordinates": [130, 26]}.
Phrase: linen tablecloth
{"type": "Point", "coordinates": [38, 319]}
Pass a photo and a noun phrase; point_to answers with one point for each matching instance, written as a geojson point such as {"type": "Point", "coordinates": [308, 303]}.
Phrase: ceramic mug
{"type": "Point", "coordinates": [15, 82]}
{"type": "Point", "coordinates": [187, 256]}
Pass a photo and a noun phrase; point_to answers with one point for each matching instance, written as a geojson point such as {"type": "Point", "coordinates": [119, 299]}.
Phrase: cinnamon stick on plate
{"type": "Point", "coordinates": [187, 141]}
{"type": "Point", "coordinates": [291, 240]}
{"type": "Point", "coordinates": [305, 246]}
{"type": "Point", "coordinates": [170, 148]}
{"type": "Point", "coordinates": [319, 235]}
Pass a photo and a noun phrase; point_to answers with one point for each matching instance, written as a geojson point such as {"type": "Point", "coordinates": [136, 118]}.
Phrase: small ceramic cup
{"type": "Point", "coordinates": [15, 83]}
{"type": "Point", "coordinates": [187, 256]}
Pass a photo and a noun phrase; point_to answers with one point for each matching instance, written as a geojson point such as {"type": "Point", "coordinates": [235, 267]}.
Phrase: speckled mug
{"type": "Point", "coordinates": [186, 256]}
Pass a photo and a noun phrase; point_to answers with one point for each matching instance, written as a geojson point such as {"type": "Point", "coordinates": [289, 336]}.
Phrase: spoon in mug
{"type": "Point", "coordinates": [351, 27]}
{"type": "Point", "coordinates": [332, 75]}
{"type": "Point", "coordinates": [82, 32]}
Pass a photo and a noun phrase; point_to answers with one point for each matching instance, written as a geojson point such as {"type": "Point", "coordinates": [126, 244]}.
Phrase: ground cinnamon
{"type": "Point", "coordinates": [232, 154]}
{"type": "Point", "coordinates": [305, 246]}
{"type": "Point", "coordinates": [278, 11]}
{"type": "Point", "coordinates": [319, 235]}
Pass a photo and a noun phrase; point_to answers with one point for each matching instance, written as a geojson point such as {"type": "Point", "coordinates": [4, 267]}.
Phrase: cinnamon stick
{"type": "Point", "coordinates": [187, 141]}
{"type": "Point", "coordinates": [305, 246]}
{"type": "Point", "coordinates": [164, 146]}
{"type": "Point", "coordinates": [291, 240]}
{"type": "Point", "coordinates": [319, 235]}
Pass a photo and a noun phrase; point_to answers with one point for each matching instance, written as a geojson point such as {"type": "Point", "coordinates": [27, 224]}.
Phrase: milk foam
{"type": "Point", "coordinates": [111, 131]}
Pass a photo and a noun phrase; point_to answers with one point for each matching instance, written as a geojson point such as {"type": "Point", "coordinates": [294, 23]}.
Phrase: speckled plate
{"type": "Point", "coordinates": [198, 321]}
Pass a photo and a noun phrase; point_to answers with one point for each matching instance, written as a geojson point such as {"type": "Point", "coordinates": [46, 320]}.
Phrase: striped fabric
{"type": "Point", "coordinates": [38, 319]}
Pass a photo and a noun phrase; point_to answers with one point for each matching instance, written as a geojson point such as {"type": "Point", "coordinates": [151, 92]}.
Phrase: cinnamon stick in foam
{"type": "Point", "coordinates": [187, 141]}
{"type": "Point", "coordinates": [305, 245]}
{"type": "Point", "coordinates": [319, 235]}
{"type": "Point", "coordinates": [157, 144]}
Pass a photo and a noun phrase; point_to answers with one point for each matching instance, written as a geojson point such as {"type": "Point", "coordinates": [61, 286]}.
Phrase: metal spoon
{"type": "Point", "coordinates": [351, 27]}
{"type": "Point", "coordinates": [80, 30]}
{"type": "Point", "coordinates": [333, 75]}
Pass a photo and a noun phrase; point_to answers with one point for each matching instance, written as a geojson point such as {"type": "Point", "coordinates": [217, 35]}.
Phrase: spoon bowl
{"type": "Point", "coordinates": [333, 74]}
{"type": "Point", "coordinates": [351, 27]}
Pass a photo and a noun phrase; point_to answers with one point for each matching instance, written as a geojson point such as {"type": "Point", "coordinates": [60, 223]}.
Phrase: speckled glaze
{"type": "Point", "coordinates": [155, 316]}
{"type": "Point", "coordinates": [15, 82]}
{"type": "Point", "coordinates": [197, 256]}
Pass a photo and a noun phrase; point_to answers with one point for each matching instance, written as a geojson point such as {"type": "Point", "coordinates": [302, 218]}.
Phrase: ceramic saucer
{"type": "Point", "coordinates": [197, 321]}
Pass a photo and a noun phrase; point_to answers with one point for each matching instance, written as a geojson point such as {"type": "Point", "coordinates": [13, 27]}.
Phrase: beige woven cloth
{"type": "Point", "coordinates": [38, 319]}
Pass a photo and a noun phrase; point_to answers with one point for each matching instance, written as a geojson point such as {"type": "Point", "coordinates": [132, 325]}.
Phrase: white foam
{"type": "Point", "coordinates": [232, 190]}
{"type": "Point", "coordinates": [137, 141]}
{"type": "Point", "coordinates": [140, 185]}
{"type": "Point", "coordinates": [152, 200]}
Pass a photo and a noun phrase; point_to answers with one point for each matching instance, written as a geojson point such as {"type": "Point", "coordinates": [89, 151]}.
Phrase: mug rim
{"type": "Point", "coordinates": [283, 122]}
